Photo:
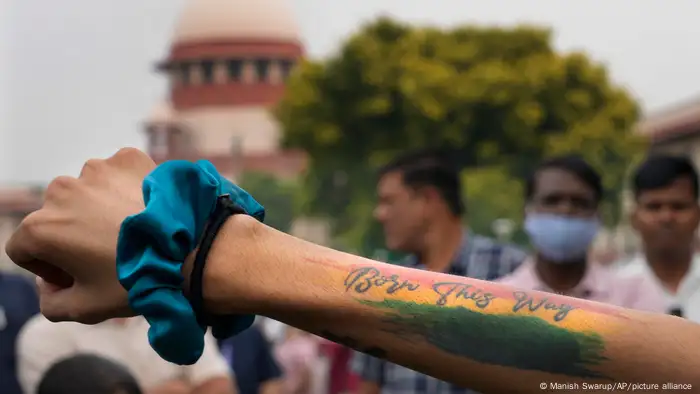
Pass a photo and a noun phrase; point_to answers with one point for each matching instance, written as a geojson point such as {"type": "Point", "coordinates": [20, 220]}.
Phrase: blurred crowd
{"type": "Point", "coordinates": [420, 206]}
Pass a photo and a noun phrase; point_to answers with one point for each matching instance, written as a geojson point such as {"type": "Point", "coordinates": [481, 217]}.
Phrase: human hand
{"type": "Point", "coordinates": [71, 242]}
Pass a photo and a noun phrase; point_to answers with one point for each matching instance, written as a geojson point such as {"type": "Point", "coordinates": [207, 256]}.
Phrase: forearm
{"type": "Point", "coordinates": [480, 335]}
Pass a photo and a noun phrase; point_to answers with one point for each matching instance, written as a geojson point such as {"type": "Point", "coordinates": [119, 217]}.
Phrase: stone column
{"type": "Point", "coordinates": [220, 73]}
{"type": "Point", "coordinates": [249, 74]}
{"type": "Point", "coordinates": [275, 73]}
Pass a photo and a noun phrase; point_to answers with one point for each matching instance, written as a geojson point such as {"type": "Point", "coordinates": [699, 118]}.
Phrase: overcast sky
{"type": "Point", "coordinates": [76, 76]}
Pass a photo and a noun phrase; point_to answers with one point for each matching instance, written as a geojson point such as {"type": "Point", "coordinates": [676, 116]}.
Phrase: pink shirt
{"type": "Point", "coordinates": [600, 284]}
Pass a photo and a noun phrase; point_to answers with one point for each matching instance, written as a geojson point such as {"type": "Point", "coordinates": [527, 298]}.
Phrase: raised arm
{"type": "Point", "coordinates": [485, 336]}
{"type": "Point", "coordinates": [481, 335]}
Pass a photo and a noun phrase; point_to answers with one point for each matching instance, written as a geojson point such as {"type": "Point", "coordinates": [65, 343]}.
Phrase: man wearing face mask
{"type": "Point", "coordinates": [562, 219]}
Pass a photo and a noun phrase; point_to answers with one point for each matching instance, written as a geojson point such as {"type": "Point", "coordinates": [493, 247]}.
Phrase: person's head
{"type": "Point", "coordinates": [666, 212]}
{"type": "Point", "coordinates": [87, 373]}
{"type": "Point", "coordinates": [415, 191]}
{"type": "Point", "coordinates": [562, 197]}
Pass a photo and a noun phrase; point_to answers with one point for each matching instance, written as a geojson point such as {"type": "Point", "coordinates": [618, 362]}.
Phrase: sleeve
{"type": "Point", "coordinates": [40, 344]}
{"type": "Point", "coordinates": [370, 369]}
{"type": "Point", "coordinates": [267, 366]}
{"type": "Point", "coordinates": [211, 365]}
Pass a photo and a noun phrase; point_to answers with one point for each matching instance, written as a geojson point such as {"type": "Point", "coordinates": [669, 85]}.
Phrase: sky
{"type": "Point", "coordinates": [77, 78]}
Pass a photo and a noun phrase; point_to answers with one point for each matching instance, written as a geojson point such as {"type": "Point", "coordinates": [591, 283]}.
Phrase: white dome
{"type": "Point", "coordinates": [212, 20]}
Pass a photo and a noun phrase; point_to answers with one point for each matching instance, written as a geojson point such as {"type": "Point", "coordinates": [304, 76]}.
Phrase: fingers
{"type": "Point", "coordinates": [23, 245]}
{"type": "Point", "coordinates": [60, 190]}
{"type": "Point", "coordinates": [59, 303]}
{"type": "Point", "coordinates": [133, 159]}
{"type": "Point", "coordinates": [75, 303]}
{"type": "Point", "coordinates": [127, 160]}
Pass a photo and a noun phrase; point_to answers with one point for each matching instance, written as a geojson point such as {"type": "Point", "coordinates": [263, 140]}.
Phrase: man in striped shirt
{"type": "Point", "coordinates": [420, 207]}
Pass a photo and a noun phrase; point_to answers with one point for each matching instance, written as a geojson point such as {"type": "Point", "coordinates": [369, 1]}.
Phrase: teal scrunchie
{"type": "Point", "coordinates": [179, 197]}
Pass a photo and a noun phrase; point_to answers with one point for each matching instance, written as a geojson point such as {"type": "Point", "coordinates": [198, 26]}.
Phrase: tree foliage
{"type": "Point", "coordinates": [500, 97]}
{"type": "Point", "coordinates": [492, 193]}
{"type": "Point", "coordinates": [279, 197]}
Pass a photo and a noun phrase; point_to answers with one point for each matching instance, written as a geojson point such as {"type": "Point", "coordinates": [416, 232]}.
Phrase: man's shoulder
{"type": "Point", "coordinates": [636, 289]}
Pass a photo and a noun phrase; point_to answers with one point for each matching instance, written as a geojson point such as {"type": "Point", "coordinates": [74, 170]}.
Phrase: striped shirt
{"type": "Point", "coordinates": [478, 257]}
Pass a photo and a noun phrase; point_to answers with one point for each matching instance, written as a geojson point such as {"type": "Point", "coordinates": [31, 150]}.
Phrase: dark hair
{"type": "Point", "coordinates": [660, 171]}
{"type": "Point", "coordinates": [430, 168]}
{"type": "Point", "coordinates": [573, 164]}
{"type": "Point", "coordinates": [86, 373]}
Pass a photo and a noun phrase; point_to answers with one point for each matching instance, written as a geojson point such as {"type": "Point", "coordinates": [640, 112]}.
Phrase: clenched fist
{"type": "Point", "coordinates": [71, 242]}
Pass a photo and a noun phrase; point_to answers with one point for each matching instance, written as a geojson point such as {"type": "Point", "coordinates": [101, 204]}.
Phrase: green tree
{"type": "Point", "coordinates": [279, 197]}
{"type": "Point", "coordinates": [492, 194]}
{"type": "Point", "coordinates": [494, 96]}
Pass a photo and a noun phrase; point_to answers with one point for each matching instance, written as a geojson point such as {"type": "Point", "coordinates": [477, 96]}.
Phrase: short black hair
{"type": "Point", "coordinates": [573, 164]}
{"type": "Point", "coordinates": [659, 171]}
{"type": "Point", "coordinates": [87, 373]}
{"type": "Point", "coordinates": [430, 168]}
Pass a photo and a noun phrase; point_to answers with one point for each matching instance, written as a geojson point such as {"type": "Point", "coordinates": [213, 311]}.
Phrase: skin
{"type": "Point", "coordinates": [562, 193]}
{"type": "Point", "coordinates": [486, 336]}
{"type": "Point", "coordinates": [667, 219]}
{"type": "Point", "coordinates": [417, 221]}
{"type": "Point", "coordinates": [271, 387]}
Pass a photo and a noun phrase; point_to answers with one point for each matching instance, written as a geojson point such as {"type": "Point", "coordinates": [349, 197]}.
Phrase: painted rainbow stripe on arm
{"type": "Point", "coordinates": [487, 322]}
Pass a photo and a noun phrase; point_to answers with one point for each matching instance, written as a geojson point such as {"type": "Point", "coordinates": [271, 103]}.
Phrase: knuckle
{"type": "Point", "coordinates": [128, 154]}
{"type": "Point", "coordinates": [132, 159]}
{"type": "Point", "coordinates": [59, 186]}
{"type": "Point", "coordinates": [92, 165]}
{"type": "Point", "coordinates": [31, 228]}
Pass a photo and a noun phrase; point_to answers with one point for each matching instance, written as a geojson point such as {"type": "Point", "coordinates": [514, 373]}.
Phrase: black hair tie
{"type": "Point", "coordinates": [224, 209]}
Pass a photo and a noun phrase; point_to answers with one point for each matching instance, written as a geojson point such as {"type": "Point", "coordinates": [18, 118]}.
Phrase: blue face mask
{"type": "Point", "coordinates": [561, 239]}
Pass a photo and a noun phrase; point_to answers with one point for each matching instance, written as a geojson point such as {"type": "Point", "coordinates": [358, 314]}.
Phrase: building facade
{"type": "Point", "coordinates": [226, 68]}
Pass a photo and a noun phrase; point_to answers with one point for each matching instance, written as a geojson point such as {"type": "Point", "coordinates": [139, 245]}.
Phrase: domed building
{"type": "Point", "coordinates": [226, 67]}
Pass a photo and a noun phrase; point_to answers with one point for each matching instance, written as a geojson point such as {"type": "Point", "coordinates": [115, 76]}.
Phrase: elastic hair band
{"type": "Point", "coordinates": [180, 202]}
{"type": "Point", "coordinates": [225, 208]}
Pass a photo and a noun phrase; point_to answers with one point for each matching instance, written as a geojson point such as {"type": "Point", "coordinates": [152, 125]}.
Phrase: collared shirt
{"type": "Point", "coordinates": [599, 283]}
{"type": "Point", "coordinates": [478, 257]}
{"type": "Point", "coordinates": [18, 303]}
{"type": "Point", "coordinates": [687, 298]}
{"type": "Point", "coordinates": [41, 343]}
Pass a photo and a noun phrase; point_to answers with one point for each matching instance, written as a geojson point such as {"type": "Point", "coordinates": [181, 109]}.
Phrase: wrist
{"type": "Point", "coordinates": [226, 273]}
